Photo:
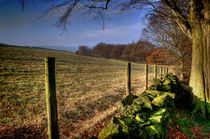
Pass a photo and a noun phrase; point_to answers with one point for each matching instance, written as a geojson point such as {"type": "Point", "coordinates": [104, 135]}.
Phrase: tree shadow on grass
{"type": "Point", "coordinates": [23, 132]}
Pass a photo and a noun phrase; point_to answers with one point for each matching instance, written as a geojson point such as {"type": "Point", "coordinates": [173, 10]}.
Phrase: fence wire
{"type": "Point", "coordinates": [88, 90]}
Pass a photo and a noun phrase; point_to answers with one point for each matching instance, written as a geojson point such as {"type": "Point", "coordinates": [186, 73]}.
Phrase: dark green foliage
{"type": "Point", "coordinates": [145, 116]}
{"type": "Point", "coordinates": [193, 125]}
{"type": "Point", "coordinates": [184, 125]}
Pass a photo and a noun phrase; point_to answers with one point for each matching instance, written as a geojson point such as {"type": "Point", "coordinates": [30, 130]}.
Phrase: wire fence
{"type": "Point", "coordinates": [88, 90]}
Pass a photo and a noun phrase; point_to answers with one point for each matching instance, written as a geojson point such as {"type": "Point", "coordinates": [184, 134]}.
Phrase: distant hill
{"type": "Point", "coordinates": [58, 48]}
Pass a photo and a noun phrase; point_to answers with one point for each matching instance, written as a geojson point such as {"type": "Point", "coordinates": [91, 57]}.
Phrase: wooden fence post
{"type": "Point", "coordinates": [146, 76]}
{"type": "Point", "coordinates": [52, 115]}
{"type": "Point", "coordinates": [167, 70]}
{"type": "Point", "coordinates": [128, 83]}
{"type": "Point", "coordinates": [161, 71]}
{"type": "Point", "coordinates": [155, 71]}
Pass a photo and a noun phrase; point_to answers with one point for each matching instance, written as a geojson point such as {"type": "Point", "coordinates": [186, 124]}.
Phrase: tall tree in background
{"type": "Point", "coordinates": [159, 56]}
{"type": "Point", "coordinates": [102, 50]}
{"type": "Point", "coordinates": [196, 25]}
{"type": "Point", "coordinates": [166, 33]}
{"type": "Point", "coordinates": [116, 51]}
{"type": "Point", "coordinates": [84, 50]}
{"type": "Point", "coordinates": [192, 17]}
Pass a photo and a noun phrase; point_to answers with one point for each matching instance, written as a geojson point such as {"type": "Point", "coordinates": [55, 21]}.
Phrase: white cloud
{"type": "Point", "coordinates": [115, 31]}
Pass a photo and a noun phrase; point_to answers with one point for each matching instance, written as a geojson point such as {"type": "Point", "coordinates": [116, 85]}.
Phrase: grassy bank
{"type": "Point", "coordinates": [86, 87]}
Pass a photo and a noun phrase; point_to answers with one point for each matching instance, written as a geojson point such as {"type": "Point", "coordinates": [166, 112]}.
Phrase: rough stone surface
{"type": "Point", "coordinates": [145, 116]}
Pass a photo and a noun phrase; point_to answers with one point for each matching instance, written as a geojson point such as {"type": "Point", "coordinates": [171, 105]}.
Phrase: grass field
{"type": "Point", "coordinates": [88, 90]}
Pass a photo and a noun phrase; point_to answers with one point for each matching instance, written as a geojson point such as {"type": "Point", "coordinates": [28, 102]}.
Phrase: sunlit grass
{"type": "Point", "coordinates": [86, 87]}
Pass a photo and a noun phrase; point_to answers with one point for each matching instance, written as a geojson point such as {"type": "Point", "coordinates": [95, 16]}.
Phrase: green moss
{"type": "Point", "coordinates": [151, 132]}
{"type": "Point", "coordinates": [132, 110]}
{"type": "Point", "coordinates": [124, 123]}
{"type": "Point", "coordinates": [156, 119]}
{"type": "Point", "coordinates": [145, 116]}
{"type": "Point", "coordinates": [183, 125]}
{"type": "Point", "coordinates": [129, 99]}
{"type": "Point", "coordinates": [169, 83]}
{"type": "Point", "coordinates": [110, 131]}
{"type": "Point", "coordinates": [161, 111]}
{"type": "Point", "coordinates": [146, 102]}
{"type": "Point", "coordinates": [160, 116]}
{"type": "Point", "coordinates": [163, 100]}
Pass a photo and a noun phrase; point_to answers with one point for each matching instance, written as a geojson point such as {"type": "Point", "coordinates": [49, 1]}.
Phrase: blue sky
{"type": "Point", "coordinates": [24, 28]}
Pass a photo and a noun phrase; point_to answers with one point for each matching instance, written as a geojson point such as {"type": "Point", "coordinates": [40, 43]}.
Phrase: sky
{"type": "Point", "coordinates": [27, 29]}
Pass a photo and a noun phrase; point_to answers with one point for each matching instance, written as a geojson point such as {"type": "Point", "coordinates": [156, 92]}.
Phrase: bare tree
{"type": "Point", "coordinates": [166, 33]}
{"type": "Point", "coordinates": [193, 18]}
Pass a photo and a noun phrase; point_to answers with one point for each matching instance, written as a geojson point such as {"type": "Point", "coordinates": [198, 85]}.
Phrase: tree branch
{"type": "Point", "coordinates": [63, 19]}
{"type": "Point", "coordinates": [181, 20]}
{"type": "Point", "coordinates": [99, 7]}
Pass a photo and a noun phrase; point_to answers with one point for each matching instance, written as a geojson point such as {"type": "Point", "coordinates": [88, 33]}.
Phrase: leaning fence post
{"type": "Point", "coordinates": [161, 71]}
{"type": "Point", "coordinates": [146, 76]}
{"type": "Point", "coordinates": [155, 71]}
{"type": "Point", "coordinates": [52, 115]}
{"type": "Point", "coordinates": [128, 83]}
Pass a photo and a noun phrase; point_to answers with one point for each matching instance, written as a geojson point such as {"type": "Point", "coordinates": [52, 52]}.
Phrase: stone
{"type": "Point", "coordinates": [139, 119]}
{"type": "Point", "coordinates": [162, 100]}
{"type": "Point", "coordinates": [156, 119]}
{"type": "Point", "coordinates": [151, 132]}
{"type": "Point", "coordinates": [110, 131]}
{"type": "Point", "coordinates": [129, 99]}
{"type": "Point", "coordinates": [132, 110]}
{"type": "Point", "coordinates": [146, 102]}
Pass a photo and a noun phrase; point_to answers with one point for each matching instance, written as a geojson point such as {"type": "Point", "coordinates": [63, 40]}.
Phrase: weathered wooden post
{"type": "Point", "coordinates": [128, 83]}
{"type": "Point", "coordinates": [167, 70]}
{"type": "Point", "coordinates": [52, 115]}
{"type": "Point", "coordinates": [161, 68]}
{"type": "Point", "coordinates": [155, 71]}
{"type": "Point", "coordinates": [146, 76]}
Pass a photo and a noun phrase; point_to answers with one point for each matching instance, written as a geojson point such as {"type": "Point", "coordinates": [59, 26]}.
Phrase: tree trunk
{"type": "Point", "coordinates": [206, 52]}
{"type": "Point", "coordinates": [181, 69]}
{"type": "Point", "coordinates": [200, 77]}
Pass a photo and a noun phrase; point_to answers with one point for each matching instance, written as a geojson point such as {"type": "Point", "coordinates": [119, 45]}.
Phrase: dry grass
{"type": "Point", "coordinates": [88, 90]}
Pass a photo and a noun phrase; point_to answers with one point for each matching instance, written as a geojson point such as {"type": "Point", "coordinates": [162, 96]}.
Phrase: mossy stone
{"type": "Point", "coordinates": [124, 123]}
{"type": "Point", "coordinates": [160, 111]}
{"type": "Point", "coordinates": [131, 110]}
{"type": "Point", "coordinates": [162, 100]}
{"type": "Point", "coordinates": [146, 102]}
{"type": "Point", "coordinates": [110, 131]}
{"type": "Point", "coordinates": [141, 116]}
{"type": "Point", "coordinates": [153, 92]}
{"type": "Point", "coordinates": [156, 119]}
{"type": "Point", "coordinates": [129, 99]}
{"type": "Point", "coordinates": [167, 82]}
{"type": "Point", "coordinates": [151, 132]}
{"type": "Point", "coordinates": [139, 119]}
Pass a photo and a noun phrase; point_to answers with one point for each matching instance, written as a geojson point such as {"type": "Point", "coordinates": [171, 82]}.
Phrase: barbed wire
{"type": "Point", "coordinates": [3, 58]}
